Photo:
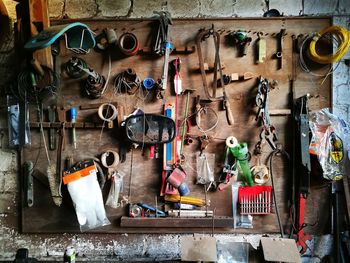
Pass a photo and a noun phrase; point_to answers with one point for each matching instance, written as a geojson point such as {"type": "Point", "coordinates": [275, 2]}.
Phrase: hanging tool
{"type": "Point", "coordinates": [227, 107]}
{"type": "Point", "coordinates": [73, 118]}
{"type": "Point", "coordinates": [261, 48]}
{"type": "Point", "coordinates": [202, 36]}
{"type": "Point", "coordinates": [241, 39]}
{"type": "Point", "coordinates": [268, 131]}
{"type": "Point", "coordinates": [230, 170]}
{"type": "Point", "coordinates": [302, 164]}
{"type": "Point", "coordinates": [29, 189]}
{"type": "Point", "coordinates": [51, 111]}
{"type": "Point", "coordinates": [170, 157]}
{"type": "Point", "coordinates": [335, 192]}
{"type": "Point", "coordinates": [177, 77]}
{"type": "Point", "coordinates": [61, 113]}
{"type": "Point", "coordinates": [184, 125]}
{"type": "Point", "coordinates": [163, 45]}
{"type": "Point", "coordinates": [280, 39]}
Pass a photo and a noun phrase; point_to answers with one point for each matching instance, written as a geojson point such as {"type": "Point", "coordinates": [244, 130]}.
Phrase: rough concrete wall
{"type": "Point", "coordinates": [148, 247]}
{"type": "Point", "coordinates": [195, 8]}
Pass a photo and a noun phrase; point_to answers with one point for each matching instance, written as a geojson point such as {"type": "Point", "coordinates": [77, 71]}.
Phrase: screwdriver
{"type": "Point", "coordinates": [73, 117]}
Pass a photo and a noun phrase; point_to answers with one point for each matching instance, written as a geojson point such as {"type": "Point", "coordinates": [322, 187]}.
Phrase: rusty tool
{"type": "Point", "coordinates": [184, 126]}
{"type": "Point", "coordinates": [51, 112]}
{"type": "Point", "coordinates": [227, 108]}
{"type": "Point", "coordinates": [278, 54]}
{"type": "Point", "coordinates": [61, 113]}
{"type": "Point", "coordinates": [202, 36]}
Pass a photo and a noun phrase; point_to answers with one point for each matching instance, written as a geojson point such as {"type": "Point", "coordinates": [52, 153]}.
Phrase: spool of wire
{"type": "Point", "coordinates": [32, 86]}
{"type": "Point", "coordinates": [94, 85]}
{"type": "Point", "coordinates": [342, 38]}
{"type": "Point", "coordinates": [308, 65]}
{"type": "Point", "coordinates": [75, 67]}
{"type": "Point", "coordinates": [127, 81]}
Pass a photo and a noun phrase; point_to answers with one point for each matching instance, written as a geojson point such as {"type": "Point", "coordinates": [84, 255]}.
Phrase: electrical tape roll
{"type": "Point", "coordinates": [231, 141]}
{"type": "Point", "coordinates": [183, 189]}
{"type": "Point", "coordinates": [107, 106]}
{"type": "Point", "coordinates": [148, 83]}
{"type": "Point", "coordinates": [129, 44]}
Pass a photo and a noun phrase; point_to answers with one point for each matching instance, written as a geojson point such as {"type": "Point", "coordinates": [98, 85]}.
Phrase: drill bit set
{"type": "Point", "coordinates": [255, 200]}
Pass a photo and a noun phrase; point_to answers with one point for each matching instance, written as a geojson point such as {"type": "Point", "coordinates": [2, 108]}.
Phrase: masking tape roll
{"type": "Point", "coordinates": [115, 159]}
{"type": "Point", "coordinates": [108, 107]}
{"type": "Point", "coordinates": [231, 141]}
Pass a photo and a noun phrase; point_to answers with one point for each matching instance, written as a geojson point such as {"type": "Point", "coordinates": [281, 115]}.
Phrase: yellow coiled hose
{"type": "Point", "coordinates": [341, 34]}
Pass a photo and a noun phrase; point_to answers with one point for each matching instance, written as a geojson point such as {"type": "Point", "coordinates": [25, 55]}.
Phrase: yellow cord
{"type": "Point", "coordinates": [342, 36]}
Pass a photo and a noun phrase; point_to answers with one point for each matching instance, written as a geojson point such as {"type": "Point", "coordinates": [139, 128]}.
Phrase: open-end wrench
{"type": "Point", "coordinates": [267, 135]}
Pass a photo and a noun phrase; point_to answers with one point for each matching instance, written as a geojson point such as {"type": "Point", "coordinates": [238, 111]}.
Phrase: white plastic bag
{"type": "Point", "coordinates": [205, 168]}
{"type": "Point", "coordinates": [116, 189]}
{"type": "Point", "coordinates": [87, 199]}
{"type": "Point", "coordinates": [330, 142]}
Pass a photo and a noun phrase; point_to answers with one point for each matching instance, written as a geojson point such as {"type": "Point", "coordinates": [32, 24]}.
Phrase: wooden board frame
{"type": "Point", "coordinates": [44, 217]}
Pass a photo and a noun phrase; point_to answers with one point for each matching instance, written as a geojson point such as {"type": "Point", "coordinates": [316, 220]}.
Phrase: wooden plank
{"type": "Point", "coordinates": [220, 222]}
{"type": "Point", "coordinates": [39, 20]}
{"type": "Point", "coordinates": [142, 174]}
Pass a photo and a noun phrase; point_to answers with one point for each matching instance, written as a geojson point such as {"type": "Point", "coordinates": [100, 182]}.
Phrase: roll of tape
{"type": "Point", "coordinates": [183, 189]}
{"type": "Point", "coordinates": [108, 107]}
{"type": "Point", "coordinates": [128, 44]}
{"type": "Point", "coordinates": [148, 83]}
{"type": "Point", "coordinates": [114, 161]}
{"type": "Point", "coordinates": [231, 141]}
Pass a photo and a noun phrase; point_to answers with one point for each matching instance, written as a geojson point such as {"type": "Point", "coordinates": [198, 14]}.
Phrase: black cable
{"type": "Point", "coordinates": [270, 158]}
{"type": "Point", "coordinates": [29, 82]}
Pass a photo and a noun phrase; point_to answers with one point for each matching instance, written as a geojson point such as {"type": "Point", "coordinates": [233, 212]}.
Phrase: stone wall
{"type": "Point", "coordinates": [148, 247]}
